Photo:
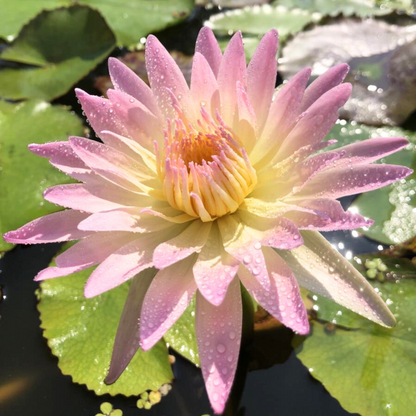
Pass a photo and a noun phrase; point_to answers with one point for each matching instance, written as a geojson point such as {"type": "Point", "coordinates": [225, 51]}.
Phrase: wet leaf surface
{"type": "Point", "coordinates": [182, 338]}
{"type": "Point", "coordinates": [392, 207]}
{"type": "Point", "coordinates": [24, 176]}
{"type": "Point", "coordinates": [129, 19]}
{"type": "Point", "coordinates": [83, 340]}
{"type": "Point", "coordinates": [382, 65]}
{"type": "Point", "coordinates": [364, 365]}
{"type": "Point", "coordinates": [56, 62]}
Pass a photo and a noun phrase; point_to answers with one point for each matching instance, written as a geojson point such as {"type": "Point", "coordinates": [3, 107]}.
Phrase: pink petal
{"type": "Point", "coordinates": [123, 219]}
{"type": "Point", "coordinates": [242, 245]}
{"type": "Point", "coordinates": [261, 76]}
{"type": "Point", "coordinates": [100, 113]}
{"type": "Point", "coordinates": [214, 269]}
{"type": "Point", "coordinates": [124, 263]}
{"type": "Point", "coordinates": [246, 126]}
{"type": "Point", "coordinates": [125, 80]}
{"type": "Point", "coordinates": [317, 121]}
{"type": "Point", "coordinates": [164, 73]}
{"type": "Point", "coordinates": [283, 300]}
{"type": "Point", "coordinates": [329, 215]}
{"type": "Point", "coordinates": [127, 340]}
{"type": "Point", "coordinates": [139, 123]}
{"type": "Point", "coordinates": [191, 240]}
{"type": "Point", "coordinates": [336, 183]}
{"type": "Point", "coordinates": [232, 69]}
{"type": "Point", "coordinates": [63, 158]}
{"type": "Point", "coordinates": [273, 232]}
{"type": "Point", "coordinates": [204, 87]}
{"type": "Point", "coordinates": [113, 165]}
{"type": "Point", "coordinates": [369, 150]}
{"type": "Point", "coordinates": [169, 214]}
{"type": "Point", "coordinates": [282, 115]}
{"type": "Point", "coordinates": [86, 253]}
{"type": "Point", "coordinates": [207, 46]}
{"type": "Point", "coordinates": [321, 269]}
{"type": "Point", "coordinates": [93, 197]}
{"type": "Point", "coordinates": [52, 228]}
{"type": "Point", "coordinates": [330, 79]}
{"type": "Point", "coordinates": [218, 331]}
{"type": "Point", "coordinates": [167, 298]}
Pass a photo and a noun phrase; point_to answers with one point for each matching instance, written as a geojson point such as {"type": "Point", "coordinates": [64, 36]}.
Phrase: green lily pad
{"type": "Point", "coordinates": [393, 207]}
{"type": "Point", "coordinates": [84, 41]}
{"type": "Point", "coordinates": [361, 8]}
{"type": "Point", "coordinates": [81, 332]}
{"type": "Point", "coordinates": [24, 176]}
{"type": "Point", "coordinates": [363, 365]}
{"type": "Point", "coordinates": [182, 338]}
{"type": "Point", "coordinates": [129, 19]}
{"type": "Point", "coordinates": [255, 21]}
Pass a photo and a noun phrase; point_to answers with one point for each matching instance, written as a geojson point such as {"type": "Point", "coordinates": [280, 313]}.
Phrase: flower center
{"type": "Point", "coordinates": [205, 171]}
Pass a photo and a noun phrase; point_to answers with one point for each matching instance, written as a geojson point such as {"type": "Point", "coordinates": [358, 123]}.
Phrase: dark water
{"type": "Point", "coordinates": [32, 384]}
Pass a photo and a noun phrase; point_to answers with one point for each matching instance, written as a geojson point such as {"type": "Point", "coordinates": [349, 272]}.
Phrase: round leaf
{"type": "Point", "coordinates": [80, 332]}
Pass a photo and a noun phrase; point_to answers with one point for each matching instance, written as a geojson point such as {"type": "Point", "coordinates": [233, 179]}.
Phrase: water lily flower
{"type": "Point", "coordinates": [197, 190]}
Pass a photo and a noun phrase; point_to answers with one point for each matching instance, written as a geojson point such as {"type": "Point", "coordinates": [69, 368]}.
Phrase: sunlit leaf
{"type": "Point", "coordinates": [361, 364]}
{"type": "Point", "coordinates": [382, 58]}
{"type": "Point", "coordinates": [392, 207]}
{"type": "Point", "coordinates": [129, 19]}
{"type": "Point", "coordinates": [255, 21]}
{"type": "Point", "coordinates": [24, 176]}
{"type": "Point", "coordinates": [362, 8]}
{"type": "Point", "coordinates": [58, 61]}
{"type": "Point", "coordinates": [81, 332]}
{"type": "Point", "coordinates": [182, 338]}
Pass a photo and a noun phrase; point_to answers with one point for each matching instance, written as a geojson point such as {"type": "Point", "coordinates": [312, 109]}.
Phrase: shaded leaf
{"type": "Point", "coordinates": [129, 19]}
{"type": "Point", "coordinates": [366, 366]}
{"type": "Point", "coordinates": [81, 332]}
{"type": "Point", "coordinates": [60, 61]}
{"type": "Point", "coordinates": [24, 176]}
{"type": "Point", "coordinates": [382, 58]}
{"type": "Point", "coordinates": [392, 207]}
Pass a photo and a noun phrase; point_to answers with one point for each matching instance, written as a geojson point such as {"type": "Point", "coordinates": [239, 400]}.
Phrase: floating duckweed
{"type": "Point", "coordinates": [106, 408]}
{"type": "Point", "coordinates": [371, 273]}
{"type": "Point", "coordinates": [370, 264]}
{"type": "Point", "coordinates": [148, 405]}
{"type": "Point", "coordinates": [116, 412]}
{"type": "Point", "coordinates": [155, 397]}
{"type": "Point", "coordinates": [382, 267]}
{"type": "Point", "coordinates": [140, 404]}
{"type": "Point", "coordinates": [144, 396]}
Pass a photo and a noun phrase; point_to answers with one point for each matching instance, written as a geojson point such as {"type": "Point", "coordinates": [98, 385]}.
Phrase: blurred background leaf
{"type": "Point", "coordinates": [57, 62]}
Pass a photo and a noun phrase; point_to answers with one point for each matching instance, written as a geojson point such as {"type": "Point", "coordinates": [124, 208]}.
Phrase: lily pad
{"type": "Point", "coordinates": [361, 8]}
{"type": "Point", "coordinates": [382, 58]}
{"type": "Point", "coordinates": [129, 19]}
{"type": "Point", "coordinates": [24, 176]}
{"type": "Point", "coordinates": [361, 364]}
{"type": "Point", "coordinates": [57, 62]}
{"type": "Point", "coordinates": [182, 337]}
{"type": "Point", "coordinates": [81, 332]}
{"type": "Point", "coordinates": [255, 21]}
{"type": "Point", "coordinates": [393, 207]}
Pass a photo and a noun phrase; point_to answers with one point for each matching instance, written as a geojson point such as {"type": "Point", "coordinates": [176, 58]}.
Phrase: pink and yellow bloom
{"type": "Point", "coordinates": [196, 190]}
